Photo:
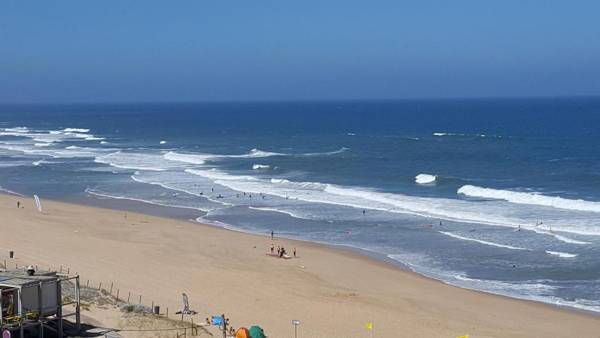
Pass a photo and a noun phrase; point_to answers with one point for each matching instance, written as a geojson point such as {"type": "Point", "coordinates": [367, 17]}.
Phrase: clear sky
{"type": "Point", "coordinates": [126, 50]}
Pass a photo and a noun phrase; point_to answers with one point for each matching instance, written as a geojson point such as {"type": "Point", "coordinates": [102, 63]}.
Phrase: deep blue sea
{"type": "Point", "coordinates": [497, 195]}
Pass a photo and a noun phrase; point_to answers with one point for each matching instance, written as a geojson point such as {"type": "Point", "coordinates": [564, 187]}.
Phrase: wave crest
{"type": "Point", "coordinates": [529, 198]}
{"type": "Point", "coordinates": [425, 179]}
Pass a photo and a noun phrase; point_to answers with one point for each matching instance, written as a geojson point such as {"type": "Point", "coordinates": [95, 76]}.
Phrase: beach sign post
{"type": "Point", "coordinates": [295, 322]}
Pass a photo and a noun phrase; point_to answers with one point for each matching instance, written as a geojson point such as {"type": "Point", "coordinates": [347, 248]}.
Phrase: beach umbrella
{"type": "Point", "coordinates": [242, 332]}
{"type": "Point", "coordinates": [257, 332]}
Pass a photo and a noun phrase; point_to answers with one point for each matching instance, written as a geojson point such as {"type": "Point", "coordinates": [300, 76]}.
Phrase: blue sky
{"type": "Point", "coordinates": [126, 51]}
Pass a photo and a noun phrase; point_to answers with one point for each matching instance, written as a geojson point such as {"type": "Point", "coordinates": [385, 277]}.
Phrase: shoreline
{"type": "Point", "coordinates": [335, 253]}
{"type": "Point", "coordinates": [373, 256]}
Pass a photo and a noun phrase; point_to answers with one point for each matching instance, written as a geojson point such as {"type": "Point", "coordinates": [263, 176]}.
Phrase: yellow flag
{"type": "Point", "coordinates": [465, 336]}
{"type": "Point", "coordinates": [369, 326]}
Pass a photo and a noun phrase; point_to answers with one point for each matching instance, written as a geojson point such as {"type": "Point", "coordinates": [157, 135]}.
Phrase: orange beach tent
{"type": "Point", "coordinates": [242, 332]}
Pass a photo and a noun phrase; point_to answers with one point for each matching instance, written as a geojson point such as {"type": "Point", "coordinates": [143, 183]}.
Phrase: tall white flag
{"type": "Point", "coordinates": [38, 204]}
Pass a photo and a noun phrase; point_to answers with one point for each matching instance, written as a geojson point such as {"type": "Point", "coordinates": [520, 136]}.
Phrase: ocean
{"type": "Point", "coordinates": [498, 195]}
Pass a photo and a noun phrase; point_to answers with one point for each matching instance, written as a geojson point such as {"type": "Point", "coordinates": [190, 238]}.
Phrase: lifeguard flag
{"type": "Point", "coordinates": [465, 336]}
{"type": "Point", "coordinates": [369, 326]}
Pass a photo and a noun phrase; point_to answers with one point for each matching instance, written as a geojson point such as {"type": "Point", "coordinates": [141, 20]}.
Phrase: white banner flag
{"type": "Point", "coordinates": [38, 204]}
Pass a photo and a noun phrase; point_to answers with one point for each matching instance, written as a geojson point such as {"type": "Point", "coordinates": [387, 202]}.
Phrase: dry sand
{"type": "Point", "coordinates": [333, 292]}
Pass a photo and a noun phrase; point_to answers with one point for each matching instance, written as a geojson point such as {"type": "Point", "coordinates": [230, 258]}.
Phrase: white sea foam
{"type": "Point", "coordinates": [94, 138]}
{"type": "Point", "coordinates": [557, 236]}
{"type": "Point", "coordinates": [425, 179]}
{"type": "Point", "coordinates": [221, 176]}
{"type": "Point", "coordinates": [465, 135]}
{"type": "Point", "coordinates": [339, 151]}
{"type": "Point", "coordinates": [162, 142]}
{"type": "Point", "coordinates": [260, 166]}
{"type": "Point", "coordinates": [17, 129]}
{"type": "Point", "coordinates": [185, 186]}
{"type": "Point", "coordinates": [187, 158]}
{"type": "Point", "coordinates": [49, 136]}
{"type": "Point", "coordinates": [135, 161]}
{"type": "Point", "coordinates": [490, 213]}
{"type": "Point", "coordinates": [561, 254]}
{"type": "Point", "coordinates": [76, 130]}
{"type": "Point", "coordinates": [256, 153]}
{"type": "Point", "coordinates": [529, 198]}
{"type": "Point", "coordinates": [481, 241]}
{"type": "Point", "coordinates": [37, 163]}
{"type": "Point", "coordinates": [41, 144]}
{"type": "Point", "coordinates": [118, 197]}
{"type": "Point", "coordinates": [78, 135]}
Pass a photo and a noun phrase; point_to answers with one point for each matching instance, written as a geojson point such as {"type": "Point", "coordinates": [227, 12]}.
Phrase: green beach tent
{"type": "Point", "coordinates": [257, 332]}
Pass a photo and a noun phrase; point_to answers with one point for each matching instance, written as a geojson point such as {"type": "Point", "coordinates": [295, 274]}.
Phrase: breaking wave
{"type": "Point", "coordinates": [425, 179]}
{"type": "Point", "coordinates": [561, 254]}
{"type": "Point", "coordinates": [481, 241]}
{"type": "Point", "coordinates": [529, 198]}
{"type": "Point", "coordinates": [260, 166]}
{"type": "Point", "coordinates": [187, 158]}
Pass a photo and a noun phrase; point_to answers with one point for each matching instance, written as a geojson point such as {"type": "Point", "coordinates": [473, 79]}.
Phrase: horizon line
{"type": "Point", "coordinates": [309, 100]}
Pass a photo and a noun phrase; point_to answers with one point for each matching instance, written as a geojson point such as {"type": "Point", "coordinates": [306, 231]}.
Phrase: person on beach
{"type": "Point", "coordinates": [272, 234]}
{"type": "Point", "coordinates": [282, 252]}
{"type": "Point", "coordinates": [272, 248]}
{"type": "Point", "coordinates": [18, 204]}
{"type": "Point", "coordinates": [294, 252]}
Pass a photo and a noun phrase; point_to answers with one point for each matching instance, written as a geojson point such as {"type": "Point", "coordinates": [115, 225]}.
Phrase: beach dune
{"type": "Point", "coordinates": [333, 292]}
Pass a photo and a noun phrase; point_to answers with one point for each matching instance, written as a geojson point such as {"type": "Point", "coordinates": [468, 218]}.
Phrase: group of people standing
{"type": "Point", "coordinates": [281, 252]}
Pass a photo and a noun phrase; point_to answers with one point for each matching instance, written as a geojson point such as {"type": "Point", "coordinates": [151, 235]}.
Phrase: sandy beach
{"type": "Point", "coordinates": [333, 292]}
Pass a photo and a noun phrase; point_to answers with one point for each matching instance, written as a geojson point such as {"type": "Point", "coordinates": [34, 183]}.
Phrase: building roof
{"type": "Point", "coordinates": [17, 278]}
